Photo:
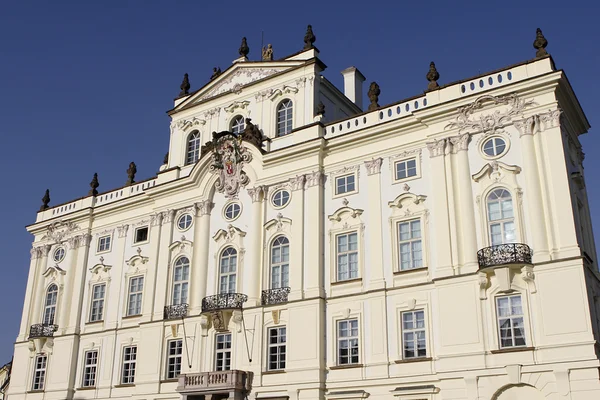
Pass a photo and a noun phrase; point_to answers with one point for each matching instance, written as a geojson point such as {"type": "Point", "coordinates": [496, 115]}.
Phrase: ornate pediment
{"type": "Point", "coordinates": [236, 80]}
{"type": "Point", "coordinates": [58, 230]}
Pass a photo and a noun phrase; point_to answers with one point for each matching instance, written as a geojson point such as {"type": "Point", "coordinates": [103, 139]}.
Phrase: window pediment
{"type": "Point", "coordinates": [232, 233]}
{"type": "Point", "coordinates": [279, 224]}
{"type": "Point", "coordinates": [181, 245]}
{"type": "Point", "coordinates": [283, 91]}
{"type": "Point", "coordinates": [237, 105]}
{"type": "Point", "coordinates": [345, 213]}
{"type": "Point", "coordinates": [496, 171]}
{"type": "Point", "coordinates": [407, 204]}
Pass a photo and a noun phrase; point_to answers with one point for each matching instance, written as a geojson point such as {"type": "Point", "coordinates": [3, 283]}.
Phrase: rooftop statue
{"type": "Point", "coordinates": [131, 171]}
{"type": "Point", "coordinates": [185, 86]}
{"type": "Point", "coordinates": [373, 94]}
{"type": "Point", "coordinates": [309, 38]}
{"type": "Point", "coordinates": [432, 76]}
{"type": "Point", "coordinates": [267, 53]}
{"type": "Point", "coordinates": [244, 49]}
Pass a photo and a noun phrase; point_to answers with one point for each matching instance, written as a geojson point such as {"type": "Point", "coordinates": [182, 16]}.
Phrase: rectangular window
{"type": "Point", "coordinates": [223, 352]}
{"type": "Point", "coordinates": [413, 334]}
{"type": "Point", "coordinates": [406, 168]}
{"type": "Point", "coordinates": [128, 370]}
{"type": "Point", "coordinates": [39, 374]}
{"type": "Point", "coordinates": [347, 338]}
{"type": "Point", "coordinates": [510, 321]}
{"type": "Point", "coordinates": [409, 242]}
{"type": "Point", "coordinates": [345, 184]}
{"type": "Point", "coordinates": [347, 256]}
{"type": "Point", "coordinates": [104, 243]}
{"type": "Point", "coordinates": [97, 308]}
{"type": "Point", "coordinates": [134, 302]}
{"type": "Point", "coordinates": [277, 342]}
{"type": "Point", "coordinates": [90, 368]}
{"type": "Point", "coordinates": [141, 235]}
{"type": "Point", "coordinates": [174, 358]}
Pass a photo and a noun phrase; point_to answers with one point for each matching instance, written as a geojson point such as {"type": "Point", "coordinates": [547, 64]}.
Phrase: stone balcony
{"type": "Point", "coordinates": [231, 385]}
{"type": "Point", "coordinates": [504, 255]}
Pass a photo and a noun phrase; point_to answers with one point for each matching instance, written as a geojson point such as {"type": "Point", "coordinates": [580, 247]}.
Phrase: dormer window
{"type": "Point", "coordinates": [284, 117]}
{"type": "Point", "coordinates": [193, 148]}
{"type": "Point", "coordinates": [238, 124]}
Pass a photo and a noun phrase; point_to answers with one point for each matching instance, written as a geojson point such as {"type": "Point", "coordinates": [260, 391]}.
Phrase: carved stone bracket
{"type": "Point", "coordinates": [460, 142]}
{"type": "Point", "coordinates": [314, 179]}
{"type": "Point", "coordinates": [80, 241]}
{"type": "Point", "coordinates": [436, 148]}
{"type": "Point", "coordinates": [258, 193]}
{"type": "Point", "coordinates": [484, 282]}
{"type": "Point", "coordinates": [204, 325]}
{"type": "Point", "coordinates": [529, 277]}
{"type": "Point", "coordinates": [374, 166]}
{"type": "Point", "coordinates": [122, 230]}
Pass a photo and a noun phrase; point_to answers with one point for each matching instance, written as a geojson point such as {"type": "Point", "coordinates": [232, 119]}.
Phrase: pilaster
{"type": "Point", "coordinates": [374, 223]}
{"type": "Point", "coordinates": [252, 270]}
{"type": "Point", "coordinates": [163, 266]}
{"type": "Point", "coordinates": [313, 255]}
{"type": "Point", "coordinates": [199, 271]}
{"type": "Point", "coordinates": [38, 297]}
{"type": "Point", "coordinates": [76, 298]}
{"type": "Point", "coordinates": [30, 294]}
{"type": "Point", "coordinates": [297, 242]}
{"type": "Point", "coordinates": [114, 295]}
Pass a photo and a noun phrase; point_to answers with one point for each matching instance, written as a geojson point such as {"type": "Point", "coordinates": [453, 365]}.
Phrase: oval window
{"type": "Point", "coordinates": [184, 222]}
{"type": "Point", "coordinates": [59, 254]}
{"type": "Point", "coordinates": [281, 198]}
{"type": "Point", "coordinates": [494, 147]}
{"type": "Point", "coordinates": [232, 211]}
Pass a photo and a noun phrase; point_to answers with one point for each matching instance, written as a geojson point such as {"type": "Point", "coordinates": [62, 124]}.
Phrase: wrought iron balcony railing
{"type": "Point", "coordinates": [42, 330]}
{"type": "Point", "coordinates": [504, 254]}
{"type": "Point", "coordinates": [176, 311]}
{"type": "Point", "coordinates": [275, 296]}
{"type": "Point", "coordinates": [223, 301]}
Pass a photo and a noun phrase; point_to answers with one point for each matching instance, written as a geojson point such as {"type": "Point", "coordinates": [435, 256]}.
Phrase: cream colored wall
{"type": "Point", "coordinates": [448, 196]}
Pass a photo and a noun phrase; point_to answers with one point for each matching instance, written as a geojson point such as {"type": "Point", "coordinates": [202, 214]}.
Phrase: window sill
{"type": "Point", "coordinates": [408, 178]}
{"type": "Point", "coordinates": [348, 366]}
{"type": "Point", "coordinates": [354, 280]}
{"type": "Point", "coordinates": [124, 385]}
{"type": "Point", "coordinates": [274, 372]}
{"type": "Point", "coordinates": [408, 271]}
{"type": "Point", "coordinates": [86, 388]}
{"type": "Point", "coordinates": [512, 350]}
{"type": "Point", "coordinates": [99, 252]}
{"type": "Point", "coordinates": [35, 391]}
{"type": "Point", "coordinates": [170, 380]}
{"type": "Point", "coordinates": [100, 321]}
{"type": "Point", "coordinates": [413, 360]}
{"type": "Point", "coordinates": [131, 316]}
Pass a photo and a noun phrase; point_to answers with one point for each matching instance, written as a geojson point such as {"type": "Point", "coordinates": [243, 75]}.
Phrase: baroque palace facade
{"type": "Point", "coordinates": [294, 246]}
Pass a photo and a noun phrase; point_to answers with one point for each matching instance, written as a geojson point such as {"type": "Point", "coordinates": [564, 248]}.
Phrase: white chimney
{"type": "Point", "coordinates": [353, 83]}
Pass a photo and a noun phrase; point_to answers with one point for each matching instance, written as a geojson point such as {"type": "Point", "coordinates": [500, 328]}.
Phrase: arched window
{"type": "Point", "coordinates": [284, 117]}
{"type": "Point", "coordinates": [227, 270]}
{"type": "Point", "coordinates": [193, 148]}
{"type": "Point", "coordinates": [238, 124]}
{"type": "Point", "coordinates": [181, 277]}
{"type": "Point", "coordinates": [501, 217]}
{"type": "Point", "coordinates": [280, 262]}
{"type": "Point", "coordinates": [50, 304]}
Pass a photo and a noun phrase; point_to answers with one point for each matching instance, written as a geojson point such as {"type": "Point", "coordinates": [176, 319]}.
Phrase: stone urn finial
{"type": "Point", "coordinates": [309, 38]}
{"type": "Point", "coordinates": [216, 72]}
{"type": "Point", "coordinates": [540, 44]}
{"type": "Point", "coordinates": [244, 49]}
{"type": "Point", "coordinates": [185, 86]}
{"type": "Point", "coordinates": [131, 171]}
{"type": "Point", "coordinates": [166, 158]}
{"type": "Point", "coordinates": [45, 200]}
{"type": "Point", "coordinates": [94, 186]}
{"type": "Point", "coordinates": [373, 94]}
{"type": "Point", "coordinates": [432, 76]}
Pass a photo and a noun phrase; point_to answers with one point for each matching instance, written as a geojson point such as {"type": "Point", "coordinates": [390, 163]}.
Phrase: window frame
{"type": "Point", "coordinates": [348, 252]}
{"type": "Point", "coordinates": [405, 160]}
{"type": "Point", "coordinates": [232, 124]}
{"type": "Point", "coordinates": [281, 264]}
{"type": "Point", "coordinates": [177, 355]}
{"type": "Point", "coordinates": [232, 204]}
{"type": "Point", "coordinates": [101, 300]}
{"type": "Point", "coordinates": [414, 330]}
{"type": "Point", "coordinates": [493, 138]}
{"type": "Point", "coordinates": [501, 222]}
{"type": "Point", "coordinates": [410, 240]}
{"type": "Point", "coordinates": [283, 205]}
{"type": "Point", "coordinates": [510, 317]}
{"type": "Point", "coordinates": [181, 282]}
{"type": "Point", "coordinates": [220, 274]}
{"type": "Point", "coordinates": [195, 151]}
{"type": "Point", "coordinates": [99, 249]}
{"type": "Point", "coordinates": [347, 192]}
{"type": "Point", "coordinates": [277, 346]}
{"type": "Point", "coordinates": [52, 307]}
{"type": "Point", "coordinates": [340, 339]}
{"type": "Point", "coordinates": [224, 351]}
{"type": "Point", "coordinates": [62, 252]}
{"type": "Point", "coordinates": [127, 366]}
{"type": "Point", "coordinates": [93, 369]}
{"type": "Point", "coordinates": [38, 383]}
{"type": "Point", "coordinates": [188, 217]}
{"type": "Point", "coordinates": [135, 233]}
{"type": "Point", "coordinates": [288, 118]}
{"type": "Point", "coordinates": [138, 292]}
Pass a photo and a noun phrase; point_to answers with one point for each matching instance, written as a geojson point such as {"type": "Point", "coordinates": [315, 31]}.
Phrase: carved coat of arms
{"type": "Point", "coordinates": [229, 157]}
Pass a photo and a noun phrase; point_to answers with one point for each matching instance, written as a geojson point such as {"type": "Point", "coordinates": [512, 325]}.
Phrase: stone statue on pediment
{"type": "Point", "coordinates": [267, 53]}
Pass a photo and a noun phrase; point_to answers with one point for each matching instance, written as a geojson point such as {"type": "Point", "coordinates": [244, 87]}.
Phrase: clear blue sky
{"type": "Point", "coordinates": [84, 86]}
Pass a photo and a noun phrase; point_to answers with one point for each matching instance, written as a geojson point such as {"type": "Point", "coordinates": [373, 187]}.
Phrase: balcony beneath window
{"type": "Point", "coordinates": [223, 301]}
{"type": "Point", "coordinates": [504, 255]}
{"type": "Point", "coordinates": [176, 311]}
{"type": "Point", "coordinates": [42, 331]}
{"type": "Point", "coordinates": [232, 384]}
{"type": "Point", "coordinates": [275, 296]}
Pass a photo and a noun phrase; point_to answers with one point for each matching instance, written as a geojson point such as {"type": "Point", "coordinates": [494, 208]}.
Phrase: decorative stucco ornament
{"type": "Point", "coordinates": [229, 157]}
{"type": "Point", "coordinates": [489, 123]}
{"type": "Point", "coordinates": [59, 229]}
